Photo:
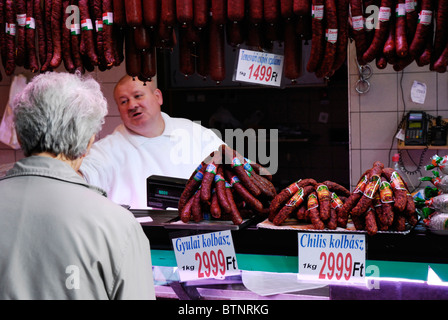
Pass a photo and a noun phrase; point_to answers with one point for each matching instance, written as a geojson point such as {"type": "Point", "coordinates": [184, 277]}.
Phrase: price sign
{"type": "Point", "coordinates": [259, 67]}
{"type": "Point", "coordinates": [330, 257]}
{"type": "Point", "coordinates": [209, 255]}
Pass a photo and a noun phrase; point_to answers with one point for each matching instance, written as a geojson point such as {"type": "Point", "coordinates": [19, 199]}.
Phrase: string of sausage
{"type": "Point", "coordinates": [30, 35]}
{"type": "Point", "coordinates": [381, 33]}
{"type": "Point", "coordinates": [66, 40]}
{"type": "Point", "coordinates": [10, 37]}
{"type": "Point", "coordinates": [331, 35]}
{"type": "Point", "coordinates": [87, 47]}
{"type": "Point", "coordinates": [75, 44]}
{"type": "Point", "coordinates": [318, 36]}
{"type": "Point", "coordinates": [56, 22]}
{"type": "Point", "coordinates": [40, 30]}
{"type": "Point", "coordinates": [20, 32]}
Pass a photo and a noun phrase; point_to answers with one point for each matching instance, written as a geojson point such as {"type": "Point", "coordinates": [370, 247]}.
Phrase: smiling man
{"type": "Point", "coordinates": [148, 142]}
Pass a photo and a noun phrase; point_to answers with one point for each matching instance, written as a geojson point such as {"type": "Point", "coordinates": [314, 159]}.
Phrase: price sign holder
{"type": "Point", "coordinates": [208, 255]}
{"type": "Point", "coordinates": [332, 257]}
{"type": "Point", "coordinates": [259, 68]}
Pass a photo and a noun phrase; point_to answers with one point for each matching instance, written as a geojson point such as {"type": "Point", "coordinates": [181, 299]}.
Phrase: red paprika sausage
{"type": "Point", "coordinates": [184, 11]}
{"type": "Point", "coordinates": [86, 33]}
{"type": "Point", "coordinates": [255, 11]}
{"type": "Point", "coordinates": [108, 33]}
{"type": "Point", "coordinates": [293, 52]}
{"type": "Point", "coordinates": [20, 32]}
{"type": "Point", "coordinates": [358, 30]}
{"type": "Point", "coordinates": [56, 25]}
{"type": "Point", "coordinates": [133, 9]}
{"type": "Point", "coordinates": [401, 42]}
{"type": "Point", "coordinates": [30, 35]}
{"type": "Point", "coordinates": [119, 12]}
{"type": "Point", "coordinates": [372, 187]}
{"type": "Point", "coordinates": [192, 185]}
{"type": "Point", "coordinates": [132, 56]}
{"type": "Point", "coordinates": [168, 12]}
{"type": "Point", "coordinates": [148, 60]}
{"type": "Point", "coordinates": [381, 33]}
{"type": "Point", "coordinates": [318, 37]}
{"type": "Point", "coordinates": [200, 13]}
{"type": "Point", "coordinates": [10, 36]}
{"type": "Point", "coordinates": [186, 54]}
{"type": "Point", "coordinates": [342, 43]}
{"type": "Point", "coordinates": [217, 53]}
{"type": "Point", "coordinates": [66, 40]}
{"type": "Point", "coordinates": [151, 10]}
{"type": "Point", "coordinates": [417, 45]}
{"type": "Point", "coordinates": [185, 213]}
{"type": "Point", "coordinates": [287, 9]}
{"type": "Point", "coordinates": [302, 7]}
{"type": "Point", "coordinates": [218, 11]}
{"type": "Point", "coordinates": [313, 211]}
{"type": "Point", "coordinates": [331, 35]}
{"type": "Point", "coordinates": [40, 30]}
{"type": "Point", "coordinates": [441, 32]}
{"type": "Point", "coordinates": [235, 214]}
{"type": "Point", "coordinates": [235, 10]}
{"type": "Point", "coordinates": [271, 11]}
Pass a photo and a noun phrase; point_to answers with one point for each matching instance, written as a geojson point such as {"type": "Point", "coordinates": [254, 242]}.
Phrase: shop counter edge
{"type": "Point", "coordinates": [289, 264]}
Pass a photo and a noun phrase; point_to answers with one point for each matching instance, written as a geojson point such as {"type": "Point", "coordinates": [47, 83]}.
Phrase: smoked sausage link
{"type": "Point", "coordinates": [423, 28]}
{"type": "Point", "coordinates": [381, 33]}
{"type": "Point", "coordinates": [318, 36]}
{"type": "Point", "coordinates": [184, 11]}
{"type": "Point", "coordinates": [235, 10]}
{"type": "Point", "coordinates": [133, 9]}
{"type": "Point", "coordinates": [293, 52]}
{"type": "Point", "coordinates": [200, 13]}
{"type": "Point", "coordinates": [217, 53]}
{"type": "Point", "coordinates": [151, 12]}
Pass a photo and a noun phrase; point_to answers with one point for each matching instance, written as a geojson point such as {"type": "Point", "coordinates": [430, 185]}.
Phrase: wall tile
{"type": "Point", "coordinates": [377, 129]}
{"type": "Point", "coordinates": [108, 89]}
{"type": "Point", "coordinates": [109, 126]}
{"type": "Point", "coordinates": [382, 95]}
{"type": "Point", "coordinates": [355, 130]}
{"type": "Point", "coordinates": [353, 96]}
{"type": "Point", "coordinates": [355, 167]}
{"type": "Point", "coordinates": [442, 92]}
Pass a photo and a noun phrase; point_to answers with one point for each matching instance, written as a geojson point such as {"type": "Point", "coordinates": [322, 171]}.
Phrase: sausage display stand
{"type": "Point", "coordinates": [399, 258]}
{"type": "Point", "coordinates": [404, 263]}
{"type": "Point", "coordinates": [399, 264]}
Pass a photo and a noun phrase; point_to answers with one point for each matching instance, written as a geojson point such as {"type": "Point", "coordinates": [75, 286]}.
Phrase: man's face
{"type": "Point", "coordinates": [139, 105]}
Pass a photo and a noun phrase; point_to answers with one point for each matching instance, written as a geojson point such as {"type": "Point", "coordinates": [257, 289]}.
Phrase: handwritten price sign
{"type": "Point", "coordinates": [332, 257]}
{"type": "Point", "coordinates": [259, 67]}
{"type": "Point", "coordinates": [209, 255]}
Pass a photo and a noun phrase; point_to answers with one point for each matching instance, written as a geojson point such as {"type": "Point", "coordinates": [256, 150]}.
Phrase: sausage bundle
{"type": "Point", "coordinates": [309, 200]}
{"type": "Point", "coordinates": [228, 186]}
{"type": "Point", "coordinates": [406, 31]}
{"type": "Point", "coordinates": [381, 201]}
{"type": "Point", "coordinates": [329, 36]}
{"type": "Point", "coordinates": [40, 35]}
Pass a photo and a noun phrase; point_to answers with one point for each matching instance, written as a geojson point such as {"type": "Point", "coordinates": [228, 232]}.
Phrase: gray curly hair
{"type": "Point", "coordinates": [59, 113]}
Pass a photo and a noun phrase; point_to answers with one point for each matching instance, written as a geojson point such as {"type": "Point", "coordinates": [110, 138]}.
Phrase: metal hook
{"type": "Point", "coordinates": [362, 86]}
{"type": "Point", "coordinates": [365, 72]}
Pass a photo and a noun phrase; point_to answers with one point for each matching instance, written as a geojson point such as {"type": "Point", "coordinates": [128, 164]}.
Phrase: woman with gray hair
{"type": "Point", "coordinates": [61, 238]}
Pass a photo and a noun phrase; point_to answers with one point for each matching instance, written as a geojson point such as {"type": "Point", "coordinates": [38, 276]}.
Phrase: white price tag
{"type": "Point", "coordinates": [332, 257]}
{"type": "Point", "coordinates": [209, 255]}
{"type": "Point", "coordinates": [259, 67]}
